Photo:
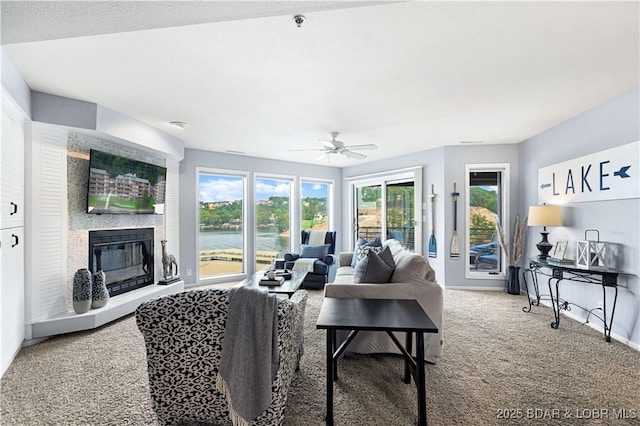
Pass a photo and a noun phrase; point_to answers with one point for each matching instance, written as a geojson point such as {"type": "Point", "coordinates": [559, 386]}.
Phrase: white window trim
{"type": "Point", "coordinates": [245, 218]}
{"type": "Point", "coordinates": [294, 216]}
{"type": "Point", "coordinates": [330, 201]}
{"type": "Point", "coordinates": [506, 218]}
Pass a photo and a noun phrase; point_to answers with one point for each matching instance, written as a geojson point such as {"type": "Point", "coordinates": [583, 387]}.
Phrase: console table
{"type": "Point", "coordinates": [607, 278]}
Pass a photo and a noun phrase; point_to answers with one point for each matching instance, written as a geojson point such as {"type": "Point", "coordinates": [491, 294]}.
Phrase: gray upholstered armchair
{"type": "Point", "coordinates": [320, 245]}
{"type": "Point", "coordinates": [183, 334]}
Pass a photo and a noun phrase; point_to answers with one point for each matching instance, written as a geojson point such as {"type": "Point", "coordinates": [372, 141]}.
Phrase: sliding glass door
{"type": "Point", "coordinates": [387, 205]}
{"type": "Point", "coordinates": [401, 212]}
{"type": "Point", "coordinates": [368, 212]}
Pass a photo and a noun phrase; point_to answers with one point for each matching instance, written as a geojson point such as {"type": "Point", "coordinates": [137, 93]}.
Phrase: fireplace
{"type": "Point", "coordinates": [125, 256]}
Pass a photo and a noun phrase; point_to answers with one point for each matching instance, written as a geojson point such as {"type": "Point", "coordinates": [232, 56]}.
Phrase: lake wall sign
{"type": "Point", "coordinates": [612, 174]}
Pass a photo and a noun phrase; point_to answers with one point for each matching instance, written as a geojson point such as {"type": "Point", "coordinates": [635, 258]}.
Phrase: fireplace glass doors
{"type": "Point", "coordinates": [125, 256]}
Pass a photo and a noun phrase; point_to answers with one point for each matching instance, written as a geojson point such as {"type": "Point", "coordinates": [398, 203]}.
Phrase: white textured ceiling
{"type": "Point", "coordinates": [406, 76]}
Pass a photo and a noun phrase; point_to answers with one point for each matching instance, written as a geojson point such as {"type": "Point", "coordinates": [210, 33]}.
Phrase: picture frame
{"type": "Point", "coordinates": [559, 250]}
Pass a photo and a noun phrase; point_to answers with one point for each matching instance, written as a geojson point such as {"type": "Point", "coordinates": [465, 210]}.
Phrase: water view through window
{"type": "Point", "coordinates": [222, 232]}
{"type": "Point", "coordinates": [315, 205]}
{"type": "Point", "coordinates": [221, 224]}
{"type": "Point", "coordinates": [273, 219]}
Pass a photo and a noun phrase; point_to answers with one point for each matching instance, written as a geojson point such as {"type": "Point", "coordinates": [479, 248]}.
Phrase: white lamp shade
{"type": "Point", "coordinates": [545, 216]}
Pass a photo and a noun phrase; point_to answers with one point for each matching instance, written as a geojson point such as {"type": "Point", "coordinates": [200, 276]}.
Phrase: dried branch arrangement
{"type": "Point", "coordinates": [513, 249]}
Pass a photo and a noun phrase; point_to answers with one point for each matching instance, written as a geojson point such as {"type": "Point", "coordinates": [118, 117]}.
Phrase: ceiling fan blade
{"type": "Point", "coordinates": [365, 146]}
{"type": "Point", "coordinates": [323, 155]}
{"type": "Point", "coordinates": [308, 149]}
{"type": "Point", "coordinates": [327, 144]}
{"type": "Point", "coordinates": [351, 154]}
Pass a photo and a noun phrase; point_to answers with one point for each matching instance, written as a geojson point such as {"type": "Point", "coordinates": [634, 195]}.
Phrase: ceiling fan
{"type": "Point", "coordinates": [334, 146]}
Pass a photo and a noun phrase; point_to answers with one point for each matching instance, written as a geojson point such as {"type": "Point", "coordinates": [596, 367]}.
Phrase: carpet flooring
{"type": "Point", "coordinates": [499, 366]}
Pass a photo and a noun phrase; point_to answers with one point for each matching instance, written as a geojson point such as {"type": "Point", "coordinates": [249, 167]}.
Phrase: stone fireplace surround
{"type": "Point", "coordinates": [79, 224]}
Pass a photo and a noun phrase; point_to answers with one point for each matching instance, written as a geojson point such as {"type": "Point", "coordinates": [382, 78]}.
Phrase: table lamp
{"type": "Point", "coordinates": [544, 216]}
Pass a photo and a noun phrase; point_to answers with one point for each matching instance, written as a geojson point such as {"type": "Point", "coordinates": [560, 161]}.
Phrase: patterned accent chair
{"type": "Point", "coordinates": [183, 334]}
{"type": "Point", "coordinates": [324, 269]}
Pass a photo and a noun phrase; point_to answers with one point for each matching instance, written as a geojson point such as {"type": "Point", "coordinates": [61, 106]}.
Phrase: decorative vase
{"type": "Point", "coordinates": [99, 292]}
{"type": "Point", "coordinates": [513, 280]}
{"type": "Point", "coordinates": [82, 291]}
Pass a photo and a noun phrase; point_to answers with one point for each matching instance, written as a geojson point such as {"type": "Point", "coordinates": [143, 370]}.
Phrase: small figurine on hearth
{"type": "Point", "coordinates": [168, 263]}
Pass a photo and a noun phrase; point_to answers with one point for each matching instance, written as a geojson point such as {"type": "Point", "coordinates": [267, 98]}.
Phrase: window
{"type": "Point", "coordinates": [273, 219]}
{"type": "Point", "coordinates": [386, 206]}
{"type": "Point", "coordinates": [221, 219]}
{"type": "Point", "coordinates": [315, 205]}
{"type": "Point", "coordinates": [486, 200]}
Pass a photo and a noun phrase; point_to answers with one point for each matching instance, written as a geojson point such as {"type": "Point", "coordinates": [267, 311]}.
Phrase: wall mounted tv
{"type": "Point", "coordinates": [120, 185]}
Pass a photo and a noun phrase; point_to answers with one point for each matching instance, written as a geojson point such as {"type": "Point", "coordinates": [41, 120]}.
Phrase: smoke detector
{"type": "Point", "coordinates": [299, 20]}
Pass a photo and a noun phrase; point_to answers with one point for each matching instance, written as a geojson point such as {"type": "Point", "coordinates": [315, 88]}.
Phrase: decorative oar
{"type": "Point", "coordinates": [433, 250]}
{"type": "Point", "coordinates": [455, 244]}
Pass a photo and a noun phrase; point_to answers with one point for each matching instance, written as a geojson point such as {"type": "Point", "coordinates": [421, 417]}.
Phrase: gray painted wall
{"type": "Point", "coordinates": [441, 167]}
{"type": "Point", "coordinates": [611, 124]}
{"type": "Point", "coordinates": [189, 199]}
{"type": "Point", "coordinates": [455, 160]}
{"type": "Point", "coordinates": [63, 111]}
{"type": "Point", "coordinates": [81, 115]}
{"type": "Point", "coordinates": [13, 82]}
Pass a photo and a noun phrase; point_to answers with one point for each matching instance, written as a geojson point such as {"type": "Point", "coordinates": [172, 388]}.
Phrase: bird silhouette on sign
{"type": "Point", "coordinates": [622, 172]}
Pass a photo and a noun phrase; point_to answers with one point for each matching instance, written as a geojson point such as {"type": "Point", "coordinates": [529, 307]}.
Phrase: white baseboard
{"type": "Point", "coordinates": [595, 325]}
{"type": "Point", "coordinates": [502, 289]}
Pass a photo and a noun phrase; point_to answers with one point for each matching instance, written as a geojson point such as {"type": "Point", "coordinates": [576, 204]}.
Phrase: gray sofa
{"type": "Point", "coordinates": [412, 278]}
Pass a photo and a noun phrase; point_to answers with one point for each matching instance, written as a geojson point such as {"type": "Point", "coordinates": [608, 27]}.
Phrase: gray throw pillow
{"type": "Point", "coordinates": [360, 244]}
{"type": "Point", "coordinates": [318, 252]}
{"type": "Point", "coordinates": [374, 268]}
{"type": "Point", "coordinates": [386, 255]}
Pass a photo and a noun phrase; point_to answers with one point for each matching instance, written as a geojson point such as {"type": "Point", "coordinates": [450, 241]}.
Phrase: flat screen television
{"type": "Point", "coordinates": [120, 185]}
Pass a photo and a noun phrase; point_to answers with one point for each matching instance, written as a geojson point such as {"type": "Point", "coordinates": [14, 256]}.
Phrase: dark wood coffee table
{"type": "Point", "coordinates": [377, 315]}
{"type": "Point", "coordinates": [288, 287]}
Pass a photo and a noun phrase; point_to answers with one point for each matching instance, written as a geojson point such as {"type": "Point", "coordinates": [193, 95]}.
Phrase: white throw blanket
{"type": "Point", "coordinates": [304, 264]}
{"type": "Point", "coordinates": [249, 358]}
{"type": "Point", "coordinates": [317, 238]}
